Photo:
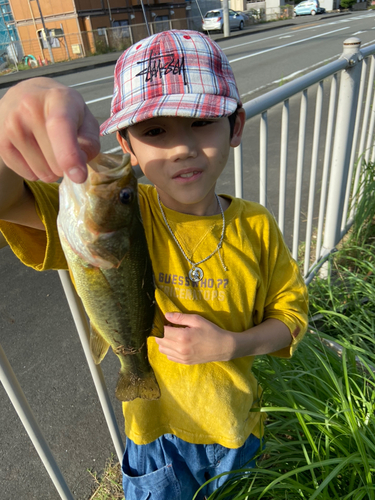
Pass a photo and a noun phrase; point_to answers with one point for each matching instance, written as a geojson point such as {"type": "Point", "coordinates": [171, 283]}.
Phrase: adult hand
{"type": "Point", "coordinates": [47, 130]}
{"type": "Point", "coordinates": [199, 341]}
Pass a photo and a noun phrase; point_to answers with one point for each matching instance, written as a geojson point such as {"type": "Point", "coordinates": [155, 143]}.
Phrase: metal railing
{"type": "Point", "coordinates": [337, 157]}
{"type": "Point", "coordinates": [349, 117]}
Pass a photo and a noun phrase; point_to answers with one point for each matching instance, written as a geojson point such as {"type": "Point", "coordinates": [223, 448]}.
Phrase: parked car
{"type": "Point", "coordinates": [308, 7]}
{"type": "Point", "coordinates": [214, 20]}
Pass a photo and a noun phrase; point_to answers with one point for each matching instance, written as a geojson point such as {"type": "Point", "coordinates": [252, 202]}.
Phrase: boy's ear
{"type": "Point", "coordinates": [239, 125]}
{"type": "Point", "coordinates": [127, 149]}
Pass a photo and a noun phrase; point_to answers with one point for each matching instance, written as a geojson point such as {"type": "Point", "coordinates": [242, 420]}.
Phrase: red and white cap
{"type": "Point", "coordinates": [173, 73]}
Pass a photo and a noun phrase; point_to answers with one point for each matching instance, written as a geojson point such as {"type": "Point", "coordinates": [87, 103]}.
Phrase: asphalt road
{"type": "Point", "coordinates": [260, 60]}
{"type": "Point", "coordinates": [36, 329]}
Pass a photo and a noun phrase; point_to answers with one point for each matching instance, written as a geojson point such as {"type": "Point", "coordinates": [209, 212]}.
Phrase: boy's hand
{"type": "Point", "coordinates": [47, 130]}
{"type": "Point", "coordinates": [200, 341]}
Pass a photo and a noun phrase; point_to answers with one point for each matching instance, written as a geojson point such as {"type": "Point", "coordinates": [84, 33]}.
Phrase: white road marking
{"type": "Point", "coordinates": [267, 38]}
{"type": "Point", "coordinates": [91, 81]}
{"type": "Point", "coordinates": [299, 31]}
{"type": "Point", "coordinates": [286, 45]}
{"type": "Point", "coordinates": [114, 150]}
{"type": "Point", "coordinates": [100, 99]}
{"type": "Point", "coordinates": [256, 41]}
{"type": "Point", "coordinates": [291, 76]}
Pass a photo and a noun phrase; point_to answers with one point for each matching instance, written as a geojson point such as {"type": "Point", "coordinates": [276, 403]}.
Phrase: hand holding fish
{"type": "Point", "coordinates": [47, 130]}
{"type": "Point", "coordinates": [199, 341]}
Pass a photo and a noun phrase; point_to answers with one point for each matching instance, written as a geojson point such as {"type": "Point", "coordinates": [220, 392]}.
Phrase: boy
{"type": "Point", "coordinates": [226, 283]}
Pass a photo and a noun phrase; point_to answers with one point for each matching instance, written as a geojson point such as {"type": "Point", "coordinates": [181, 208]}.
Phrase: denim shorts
{"type": "Point", "coordinates": [172, 469]}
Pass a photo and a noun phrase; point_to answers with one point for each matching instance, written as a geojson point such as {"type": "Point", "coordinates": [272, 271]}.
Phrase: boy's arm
{"type": "Point", "coordinates": [17, 203]}
{"type": "Point", "coordinates": [201, 341]}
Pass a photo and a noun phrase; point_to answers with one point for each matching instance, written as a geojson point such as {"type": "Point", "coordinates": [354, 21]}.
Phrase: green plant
{"type": "Point", "coordinates": [101, 47]}
{"type": "Point", "coordinates": [321, 430]}
{"type": "Point", "coordinates": [346, 4]}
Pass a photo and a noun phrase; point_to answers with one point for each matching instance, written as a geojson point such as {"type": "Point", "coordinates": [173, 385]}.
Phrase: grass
{"type": "Point", "coordinates": [320, 432]}
{"type": "Point", "coordinates": [109, 485]}
{"type": "Point", "coordinates": [321, 429]}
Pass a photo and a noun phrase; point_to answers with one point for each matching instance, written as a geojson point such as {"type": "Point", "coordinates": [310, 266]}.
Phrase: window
{"type": "Point", "coordinates": [54, 42]}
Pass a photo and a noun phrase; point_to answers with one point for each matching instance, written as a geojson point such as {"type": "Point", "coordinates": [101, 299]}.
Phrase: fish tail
{"type": "Point", "coordinates": [131, 386]}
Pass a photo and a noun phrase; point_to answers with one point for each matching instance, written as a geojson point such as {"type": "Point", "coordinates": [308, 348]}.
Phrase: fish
{"type": "Point", "coordinates": [103, 239]}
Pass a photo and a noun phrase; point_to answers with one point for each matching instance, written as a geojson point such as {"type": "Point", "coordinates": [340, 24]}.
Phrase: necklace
{"type": "Point", "coordinates": [196, 273]}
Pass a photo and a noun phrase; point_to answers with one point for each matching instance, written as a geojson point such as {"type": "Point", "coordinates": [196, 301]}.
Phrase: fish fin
{"type": "Point", "coordinates": [158, 324]}
{"type": "Point", "coordinates": [98, 345]}
{"type": "Point", "coordinates": [106, 255]}
{"type": "Point", "coordinates": [130, 387]}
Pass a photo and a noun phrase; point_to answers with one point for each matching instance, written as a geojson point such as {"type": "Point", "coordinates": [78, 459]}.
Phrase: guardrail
{"type": "Point", "coordinates": [348, 144]}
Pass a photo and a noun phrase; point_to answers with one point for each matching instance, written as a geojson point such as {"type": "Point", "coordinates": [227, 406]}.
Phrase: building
{"type": "Point", "coordinates": [9, 46]}
{"type": "Point", "coordinates": [56, 30]}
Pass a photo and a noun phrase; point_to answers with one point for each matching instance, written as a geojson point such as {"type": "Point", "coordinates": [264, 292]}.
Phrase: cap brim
{"type": "Point", "coordinates": [183, 105]}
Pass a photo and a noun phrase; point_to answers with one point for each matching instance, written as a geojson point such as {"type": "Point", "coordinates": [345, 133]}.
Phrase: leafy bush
{"type": "Point", "coordinates": [346, 4]}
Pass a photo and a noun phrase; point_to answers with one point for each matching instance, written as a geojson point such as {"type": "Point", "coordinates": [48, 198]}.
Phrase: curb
{"type": "Point", "coordinates": [52, 71]}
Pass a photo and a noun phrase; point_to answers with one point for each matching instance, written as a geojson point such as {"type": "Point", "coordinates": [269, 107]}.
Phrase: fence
{"type": "Point", "coordinates": [86, 43]}
{"type": "Point", "coordinates": [347, 111]}
{"type": "Point", "coordinates": [342, 142]}
{"type": "Point", "coordinates": [34, 52]}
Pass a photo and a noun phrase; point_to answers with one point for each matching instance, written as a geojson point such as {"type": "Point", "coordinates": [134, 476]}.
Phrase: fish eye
{"type": "Point", "coordinates": [126, 196]}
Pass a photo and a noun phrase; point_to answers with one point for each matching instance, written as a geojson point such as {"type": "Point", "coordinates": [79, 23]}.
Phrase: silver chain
{"type": "Point", "coordinates": [195, 264]}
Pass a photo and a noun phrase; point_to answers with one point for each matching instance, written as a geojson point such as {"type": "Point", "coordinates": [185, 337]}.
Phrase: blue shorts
{"type": "Point", "coordinates": [172, 469]}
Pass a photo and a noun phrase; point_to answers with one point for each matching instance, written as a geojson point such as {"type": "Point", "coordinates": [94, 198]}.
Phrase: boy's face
{"type": "Point", "coordinates": [183, 158]}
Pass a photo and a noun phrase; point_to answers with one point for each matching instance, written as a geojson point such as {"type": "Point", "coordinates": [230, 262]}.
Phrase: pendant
{"type": "Point", "coordinates": [195, 274]}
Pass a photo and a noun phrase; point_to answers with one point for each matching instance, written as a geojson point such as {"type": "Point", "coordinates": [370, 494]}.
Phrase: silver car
{"type": "Point", "coordinates": [214, 20]}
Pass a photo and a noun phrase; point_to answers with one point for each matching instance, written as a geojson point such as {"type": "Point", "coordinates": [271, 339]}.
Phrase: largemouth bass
{"type": "Point", "coordinates": [104, 243]}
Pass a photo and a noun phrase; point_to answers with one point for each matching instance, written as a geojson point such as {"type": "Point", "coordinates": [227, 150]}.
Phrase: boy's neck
{"type": "Point", "coordinates": [208, 206]}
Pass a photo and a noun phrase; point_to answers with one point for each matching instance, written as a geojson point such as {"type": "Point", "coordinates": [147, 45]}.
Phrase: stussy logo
{"type": "Point", "coordinates": [155, 68]}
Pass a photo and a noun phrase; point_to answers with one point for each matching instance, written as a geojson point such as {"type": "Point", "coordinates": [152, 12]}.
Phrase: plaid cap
{"type": "Point", "coordinates": [173, 73]}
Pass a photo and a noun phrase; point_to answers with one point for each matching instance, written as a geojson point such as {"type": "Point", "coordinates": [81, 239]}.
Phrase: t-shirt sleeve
{"type": "Point", "coordinates": [287, 297]}
{"type": "Point", "coordinates": [35, 248]}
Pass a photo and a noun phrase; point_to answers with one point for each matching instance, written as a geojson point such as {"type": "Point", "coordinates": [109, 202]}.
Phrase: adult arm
{"type": "Point", "coordinates": [47, 130]}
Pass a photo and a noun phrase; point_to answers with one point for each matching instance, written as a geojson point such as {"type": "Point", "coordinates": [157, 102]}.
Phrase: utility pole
{"type": "Point", "coordinates": [226, 18]}
{"type": "Point", "coordinates": [145, 18]}
{"type": "Point", "coordinates": [46, 33]}
{"type": "Point", "coordinates": [110, 12]}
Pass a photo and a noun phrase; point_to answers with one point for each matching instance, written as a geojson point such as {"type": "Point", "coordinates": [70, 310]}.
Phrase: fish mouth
{"type": "Point", "coordinates": [107, 168]}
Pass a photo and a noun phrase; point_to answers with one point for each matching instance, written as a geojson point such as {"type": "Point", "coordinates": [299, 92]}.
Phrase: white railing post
{"type": "Point", "coordinates": [343, 140]}
{"type": "Point", "coordinates": [80, 320]}
{"type": "Point", "coordinates": [238, 171]}
{"type": "Point", "coordinates": [26, 415]}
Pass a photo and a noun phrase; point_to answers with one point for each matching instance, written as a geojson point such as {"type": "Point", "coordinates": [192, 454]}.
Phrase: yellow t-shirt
{"type": "Point", "coordinates": [211, 402]}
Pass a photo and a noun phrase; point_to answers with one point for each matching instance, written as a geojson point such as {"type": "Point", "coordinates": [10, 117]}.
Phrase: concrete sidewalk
{"type": "Point", "coordinates": [92, 62]}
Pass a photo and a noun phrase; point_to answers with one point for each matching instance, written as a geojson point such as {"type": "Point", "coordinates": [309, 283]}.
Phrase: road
{"type": "Point", "coordinates": [36, 329]}
{"type": "Point", "coordinates": [258, 60]}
